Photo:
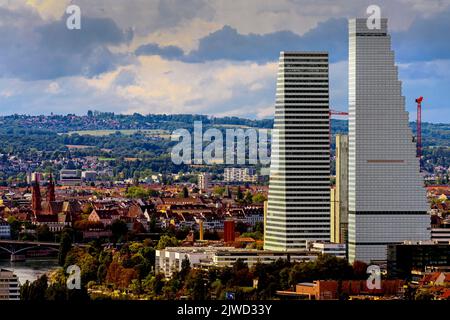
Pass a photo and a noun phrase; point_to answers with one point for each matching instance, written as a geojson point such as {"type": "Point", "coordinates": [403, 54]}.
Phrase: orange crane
{"type": "Point", "coordinates": [330, 114]}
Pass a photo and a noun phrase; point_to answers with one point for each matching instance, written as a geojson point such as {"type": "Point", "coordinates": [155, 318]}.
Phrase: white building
{"type": "Point", "coordinates": [335, 249]}
{"type": "Point", "coordinates": [203, 181]}
{"type": "Point", "coordinates": [387, 201]}
{"type": "Point", "coordinates": [89, 175]}
{"type": "Point", "coordinates": [9, 285]}
{"type": "Point", "coordinates": [69, 177]}
{"type": "Point", "coordinates": [240, 175]}
{"type": "Point", "coordinates": [169, 260]}
{"type": "Point", "coordinates": [299, 188]}
{"type": "Point", "coordinates": [441, 234]}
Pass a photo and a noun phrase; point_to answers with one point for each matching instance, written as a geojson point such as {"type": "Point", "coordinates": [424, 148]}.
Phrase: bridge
{"type": "Point", "coordinates": [16, 247]}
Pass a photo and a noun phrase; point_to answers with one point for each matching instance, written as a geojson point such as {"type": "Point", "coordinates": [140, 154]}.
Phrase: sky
{"type": "Point", "coordinates": [215, 57]}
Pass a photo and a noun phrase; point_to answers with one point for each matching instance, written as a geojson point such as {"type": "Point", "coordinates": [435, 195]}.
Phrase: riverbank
{"type": "Point", "coordinates": [31, 269]}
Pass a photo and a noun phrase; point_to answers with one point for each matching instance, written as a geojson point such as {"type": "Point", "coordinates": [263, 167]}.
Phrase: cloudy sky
{"type": "Point", "coordinates": [216, 57]}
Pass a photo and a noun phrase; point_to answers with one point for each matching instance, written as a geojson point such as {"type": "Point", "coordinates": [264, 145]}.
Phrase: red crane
{"type": "Point", "coordinates": [330, 114]}
{"type": "Point", "coordinates": [419, 127]}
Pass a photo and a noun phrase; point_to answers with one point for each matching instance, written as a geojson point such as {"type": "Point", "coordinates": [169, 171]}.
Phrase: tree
{"type": "Point", "coordinates": [360, 269]}
{"type": "Point", "coordinates": [259, 198]}
{"type": "Point", "coordinates": [239, 195]}
{"type": "Point", "coordinates": [197, 285]}
{"type": "Point", "coordinates": [241, 227]}
{"type": "Point", "coordinates": [44, 233]}
{"type": "Point", "coordinates": [248, 198]}
{"type": "Point", "coordinates": [166, 241]}
{"type": "Point", "coordinates": [15, 226]}
{"type": "Point", "coordinates": [424, 295]}
{"type": "Point", "coordinates": [64, 247]}
{"type": "Point", "coordinates": [34, 291]}
{"type": "Point", "coordinates": [185, 192]}
{"type": "Point", "coordinates": [185, 268]}
{"type": "Point", "coordinates": [219, 191]}
{"type": "Point", "coordinates": [119, 229]}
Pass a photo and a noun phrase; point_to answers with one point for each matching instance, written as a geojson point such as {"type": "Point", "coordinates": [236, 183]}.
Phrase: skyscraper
{"type": "Point", "coordinates": [387, 201]}
{"type": "Point", "coordinates": [299, 189]}
{"type": "Point", "coordinates": [339, 195]}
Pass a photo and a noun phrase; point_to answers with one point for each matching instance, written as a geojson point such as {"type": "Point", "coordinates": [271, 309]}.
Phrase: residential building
{"type": "Point", "coordinates": [9, 285]}
{"type": "Point", "coordinates": [299, 187]}
{"type": "Point", "coordinates": [89, 176]}
{"type": "Point", "coordinates": [203, 181]}
{"type": "Point", "coordinates": [240, 175]}
{"type": "Point", "coordinates": [387, 201]}
{"type": "Point", "coordinates": [105, 216]}
{"type": "Point", "coordinates": [339, 194]}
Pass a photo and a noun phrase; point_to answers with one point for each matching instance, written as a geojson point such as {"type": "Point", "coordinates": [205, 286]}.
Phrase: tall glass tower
{"type": "Point", "coordinates": [387, 201]}
{"type": "Point", "coordinates": [299, 189]}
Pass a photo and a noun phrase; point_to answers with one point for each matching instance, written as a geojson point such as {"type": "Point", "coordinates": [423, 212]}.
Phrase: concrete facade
{"type": "Point", "coordinates": [387, 201]}
{"type": "Point", "coordinates": [299, 187]}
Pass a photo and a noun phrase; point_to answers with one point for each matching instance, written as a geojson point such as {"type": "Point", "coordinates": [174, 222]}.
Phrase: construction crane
{"type": "Point", "coordinates": [419, 127]}
{"type": "Point", "coordinates": [330, 114]}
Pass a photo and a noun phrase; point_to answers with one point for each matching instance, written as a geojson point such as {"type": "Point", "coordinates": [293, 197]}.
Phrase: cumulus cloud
{"type": "Point", "coordinates": [217, 57]}
{"type": "Point", "coordinates": [33, 49]}
{"type": "Point", "coordinates": [426, 39]}
{"type": "Point", "coordinates": [228, 44]}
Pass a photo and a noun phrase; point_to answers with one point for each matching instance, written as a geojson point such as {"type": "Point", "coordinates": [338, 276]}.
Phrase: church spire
{"type": "Point", "coordinates": [36, 199]}
{"type": "Point", "coordinates": [51, 190]}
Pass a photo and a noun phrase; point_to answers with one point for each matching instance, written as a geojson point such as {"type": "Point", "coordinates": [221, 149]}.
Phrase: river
{"type": "Point", "coordinates": [31, 269]}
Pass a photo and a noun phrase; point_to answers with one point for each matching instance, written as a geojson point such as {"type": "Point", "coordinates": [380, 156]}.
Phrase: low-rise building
{"type": "Point", "coordinates": [335, 249]}
{"type": "Point", "coordinates": [203, 181]}
{"type": "Point", "coordinates": [240, 175]}
{"type": "Point", "coordinates": [411, 256]}
{"type": "Point", "coordinates": [169, 259]}
{"type": "Point", "coordinates": [104, 216]}
{"type": "Point", "coordinates": [9, 285]}
{"type": "Point", "coordinates": [89, 176]}
{"type": "Point", "coordinates": [440, 233]}
{"type": "Point", "coordinates": [333, 289]}
{"type": "Point", "coordinates": [69, 177]}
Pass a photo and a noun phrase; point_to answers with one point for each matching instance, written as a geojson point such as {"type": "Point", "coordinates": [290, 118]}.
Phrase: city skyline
{"type": "Point", "coordinates": [123, 62]}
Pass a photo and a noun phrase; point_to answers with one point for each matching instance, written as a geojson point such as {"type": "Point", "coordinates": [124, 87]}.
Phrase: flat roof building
{"type": "Point", "coordinates": [299, 188]}
{"type": "Point", "coordinates": [387, 200]}
{"type": "Point", "coordinates": [9, 285]}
